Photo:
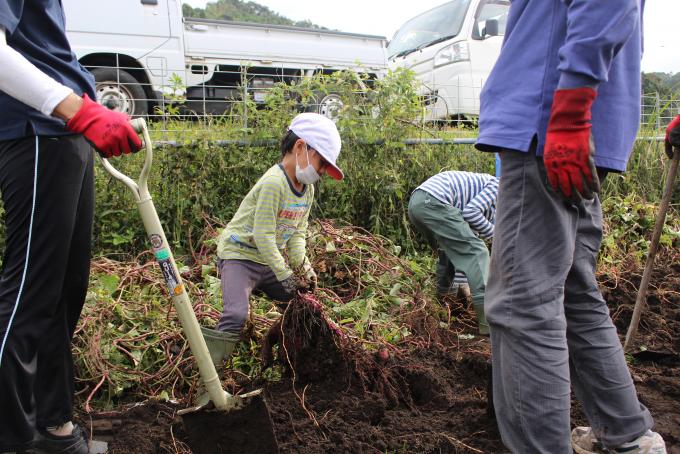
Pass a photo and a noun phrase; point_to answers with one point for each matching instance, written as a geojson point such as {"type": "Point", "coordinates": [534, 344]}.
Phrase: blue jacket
{"type": "Point", "coordinates": [566, 44]}
{"type": "Point", "coordinates": [36, 29]}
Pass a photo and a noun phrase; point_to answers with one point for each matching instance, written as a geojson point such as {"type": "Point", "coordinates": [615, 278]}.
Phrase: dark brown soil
{"type": "Point", "coordinates": [247, 429]}
{"type": "Point", "coordinates": [443, 394]}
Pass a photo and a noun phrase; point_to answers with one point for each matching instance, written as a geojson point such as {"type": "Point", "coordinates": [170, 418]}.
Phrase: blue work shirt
{"type": "Point", "coordinates": [566, 44]}
{"type": "Point", "coordinates": [36, 29]}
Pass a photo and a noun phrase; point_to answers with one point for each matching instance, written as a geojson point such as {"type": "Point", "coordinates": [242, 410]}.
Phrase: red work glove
{"type": "Point", "coordinates": [568, 152]}
{"type": "Point", "coordinates": [109, 132]}
{"type": "Point", "coordinates": [673, 137]}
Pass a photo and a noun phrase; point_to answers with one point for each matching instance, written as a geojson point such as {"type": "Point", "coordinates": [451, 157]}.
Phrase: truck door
{"type": "Point", "coordinates": [128, 45]}
{"type": "Point", "coordinates": [136, 26]}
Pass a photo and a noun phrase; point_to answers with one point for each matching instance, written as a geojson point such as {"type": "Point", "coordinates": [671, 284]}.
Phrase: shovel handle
{"type": "Point", "coordinates": [138, 124]}
{"type": "Point", "coordinates": [140, 187]}
{"type": "Point", "coordinates": [649, 265]}
{"type": "Point", "coordinates": [166, 261]}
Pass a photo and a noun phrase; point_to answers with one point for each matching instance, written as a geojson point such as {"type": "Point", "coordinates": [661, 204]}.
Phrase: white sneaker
{"type": "Point", "coordinates": [584, 442]}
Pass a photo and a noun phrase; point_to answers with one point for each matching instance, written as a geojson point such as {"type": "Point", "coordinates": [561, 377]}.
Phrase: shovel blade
{"type": "Point", "coordinates": [244, 430]}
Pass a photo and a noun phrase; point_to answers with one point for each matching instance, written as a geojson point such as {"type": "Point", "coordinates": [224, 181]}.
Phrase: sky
{"type": "Point", "coordinates": [384, 17]}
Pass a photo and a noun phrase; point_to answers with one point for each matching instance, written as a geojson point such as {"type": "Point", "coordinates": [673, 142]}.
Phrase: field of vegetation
{"type": "Point", "coordinates": [397, 371]}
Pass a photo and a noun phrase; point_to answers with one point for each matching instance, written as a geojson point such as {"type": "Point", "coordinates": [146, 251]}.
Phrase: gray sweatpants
{"type": "Point", "coordinates": [239, 278]}
{"type": "Point", "coordinates": [550, 326]}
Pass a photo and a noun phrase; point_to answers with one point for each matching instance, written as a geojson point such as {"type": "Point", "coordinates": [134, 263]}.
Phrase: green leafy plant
{"type": "Point", "coordinates": [629, 222]}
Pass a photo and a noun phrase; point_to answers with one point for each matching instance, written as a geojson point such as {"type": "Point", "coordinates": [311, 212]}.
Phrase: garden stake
{"type": "Point", "coordinates": [255, 430]}
{"type": "Point", "coordinates": [658, 228]}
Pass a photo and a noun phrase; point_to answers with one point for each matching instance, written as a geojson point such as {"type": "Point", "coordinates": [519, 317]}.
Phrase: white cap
{"type": "Point", "coordinates": [320, 133]}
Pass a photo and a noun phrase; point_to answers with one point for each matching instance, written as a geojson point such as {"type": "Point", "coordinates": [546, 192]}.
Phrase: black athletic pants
{"type": "Point", "coordinates": [48, 194]}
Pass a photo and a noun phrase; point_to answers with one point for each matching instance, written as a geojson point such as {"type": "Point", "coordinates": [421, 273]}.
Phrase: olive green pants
{"type": "Point", "coordinates": [445, 229]}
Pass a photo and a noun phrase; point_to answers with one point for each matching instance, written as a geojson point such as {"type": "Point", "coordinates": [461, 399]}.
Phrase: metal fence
{"type": "Point", "coordinates": [657, 112]}
{"type": "Point", "coordinates": [195, 92]}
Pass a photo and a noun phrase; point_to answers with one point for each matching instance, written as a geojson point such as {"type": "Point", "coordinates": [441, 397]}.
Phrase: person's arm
{"type": "Point", "coordinates": [109, 132]}
{"type": "Point", "coordinates": [484, 202]}
{"type": "Point", "coordinates": [297, 246]}
{"type": "Point", "coordinates": [264, 228]}
{"type": "Point", "coordinates": [297, 243]}
{"type": "Point", "coordinates": [297, 252]}
{"type": "Point", "coordinates": [596, 32]}
{"type": "Point", "coordinates": [672, 139]}
{"type": "Point", "coordinates": [23, 81]}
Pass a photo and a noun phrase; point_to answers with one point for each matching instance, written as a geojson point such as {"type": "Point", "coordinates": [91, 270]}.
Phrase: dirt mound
{"type": "Point", "coordinates": [246, 430]}
{"type": "Point", "coordinates": [310, 346]}
{"type": "Point", "coordinates": [448, 413]}
{"type": "Point", "coordinates": [445, 413]}
{"type": "Point", "coordinates": [427, 397]}
{"type": "Point", "coordinates": [445, 410]}
{"type": "Point", "coordinates": [146, 427]}
{"type": "Point", "coordinates": [660, 323]}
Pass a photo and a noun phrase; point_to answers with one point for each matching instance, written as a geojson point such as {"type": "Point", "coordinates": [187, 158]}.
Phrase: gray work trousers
{"type": "Point", "coordinates": [550, 326]}
{"type": "Point", "coordinates": [239, 278]}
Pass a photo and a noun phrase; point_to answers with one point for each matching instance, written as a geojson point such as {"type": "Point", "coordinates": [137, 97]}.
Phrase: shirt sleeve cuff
{"type": "Point", "coordinates": [56, 95]}
{"type": "Point", "coordinates": [284, 274]}
{"type": "Point", "coordinates": [574, 80]}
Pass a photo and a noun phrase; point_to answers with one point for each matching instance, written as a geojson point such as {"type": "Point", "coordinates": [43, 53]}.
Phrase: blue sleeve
{"type": "Point", "coordinates": [10, 14]}
{"type": "Point", "coordinates": [596, 31]}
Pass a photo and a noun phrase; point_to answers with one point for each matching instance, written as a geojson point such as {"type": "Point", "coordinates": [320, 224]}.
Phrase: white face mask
{"type": "Point", "coordinates": [308, 175]}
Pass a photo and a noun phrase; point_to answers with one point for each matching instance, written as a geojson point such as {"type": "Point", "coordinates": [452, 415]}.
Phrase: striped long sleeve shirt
{"type": "Point", "coordinates": [271, 218]}
{"type": "Point", "coordinates": [474, 194]}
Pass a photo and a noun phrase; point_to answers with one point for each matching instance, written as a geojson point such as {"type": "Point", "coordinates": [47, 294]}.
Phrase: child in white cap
{"type": "Point", "coordinates": [273, 218]}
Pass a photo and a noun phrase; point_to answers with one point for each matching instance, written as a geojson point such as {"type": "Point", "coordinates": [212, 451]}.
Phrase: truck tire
{"type": "Point", "coordinates": [117, 90]}
{"type": "Point", "coordinates": [327, 104]}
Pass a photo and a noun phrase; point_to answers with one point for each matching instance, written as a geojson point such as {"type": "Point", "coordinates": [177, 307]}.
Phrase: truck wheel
{"type": "Point", "coordinates": [118, 90]}
{"type": "Point", "coordinates": [329, 105]}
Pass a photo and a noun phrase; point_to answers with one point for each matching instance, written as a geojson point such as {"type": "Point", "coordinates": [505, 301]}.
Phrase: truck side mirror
{"type": "Point", "coordinates": [491, 27]}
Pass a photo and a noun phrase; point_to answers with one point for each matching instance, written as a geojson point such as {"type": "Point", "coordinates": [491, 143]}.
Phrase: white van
{"type": "Point", "coordinates": [451, 49]}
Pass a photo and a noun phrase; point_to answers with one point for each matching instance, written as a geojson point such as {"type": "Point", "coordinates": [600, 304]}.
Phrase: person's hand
{"type": "Point", "coordinates": [672, 137]}
{"type": "Point", "coordinates": [312, 278]}
{"type": "Point", "coordinates": [291, 284]}
{"type": "Point", "coordinates": [109, 132]}
{"type": "Point", "coordinates": [569, 148]}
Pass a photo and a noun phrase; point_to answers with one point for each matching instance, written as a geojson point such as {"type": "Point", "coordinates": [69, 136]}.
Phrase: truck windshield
{"type": "Point", "coordinates": [430, 27]}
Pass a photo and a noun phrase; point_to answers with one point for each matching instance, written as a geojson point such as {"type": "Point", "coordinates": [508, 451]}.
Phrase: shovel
{"type": "Point", "coordinates": [216, 426]}
{"type": "Point", "coordinates": [651, 255]}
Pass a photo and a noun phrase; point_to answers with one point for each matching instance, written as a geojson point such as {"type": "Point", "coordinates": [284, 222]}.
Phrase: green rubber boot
{"type": "Point", "coordinates": [478, 304]}
{"type": "Point", "coordinates": [220, 344]}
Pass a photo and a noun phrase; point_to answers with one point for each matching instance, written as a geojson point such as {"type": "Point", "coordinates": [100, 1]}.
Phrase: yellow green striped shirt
{"type": "Point", "coordinates": [271, 218]}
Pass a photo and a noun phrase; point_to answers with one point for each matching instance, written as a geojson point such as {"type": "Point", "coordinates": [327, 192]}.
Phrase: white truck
{"type": "Point", "coordinates": [451, 49]}
{"type": "Point", "coordinates": [142, 50]}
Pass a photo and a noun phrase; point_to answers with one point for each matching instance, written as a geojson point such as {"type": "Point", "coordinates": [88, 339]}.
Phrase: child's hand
{"type": "Point", "coordinates": [291, 284]}
{"type": "Point", "coordinates": [312, 279]}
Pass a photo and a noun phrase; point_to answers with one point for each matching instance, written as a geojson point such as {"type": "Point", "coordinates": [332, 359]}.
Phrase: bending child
{"type": "Point", "coordinates": [455, 210]}
{"type": "Point", "coordinates": [271, 219]}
